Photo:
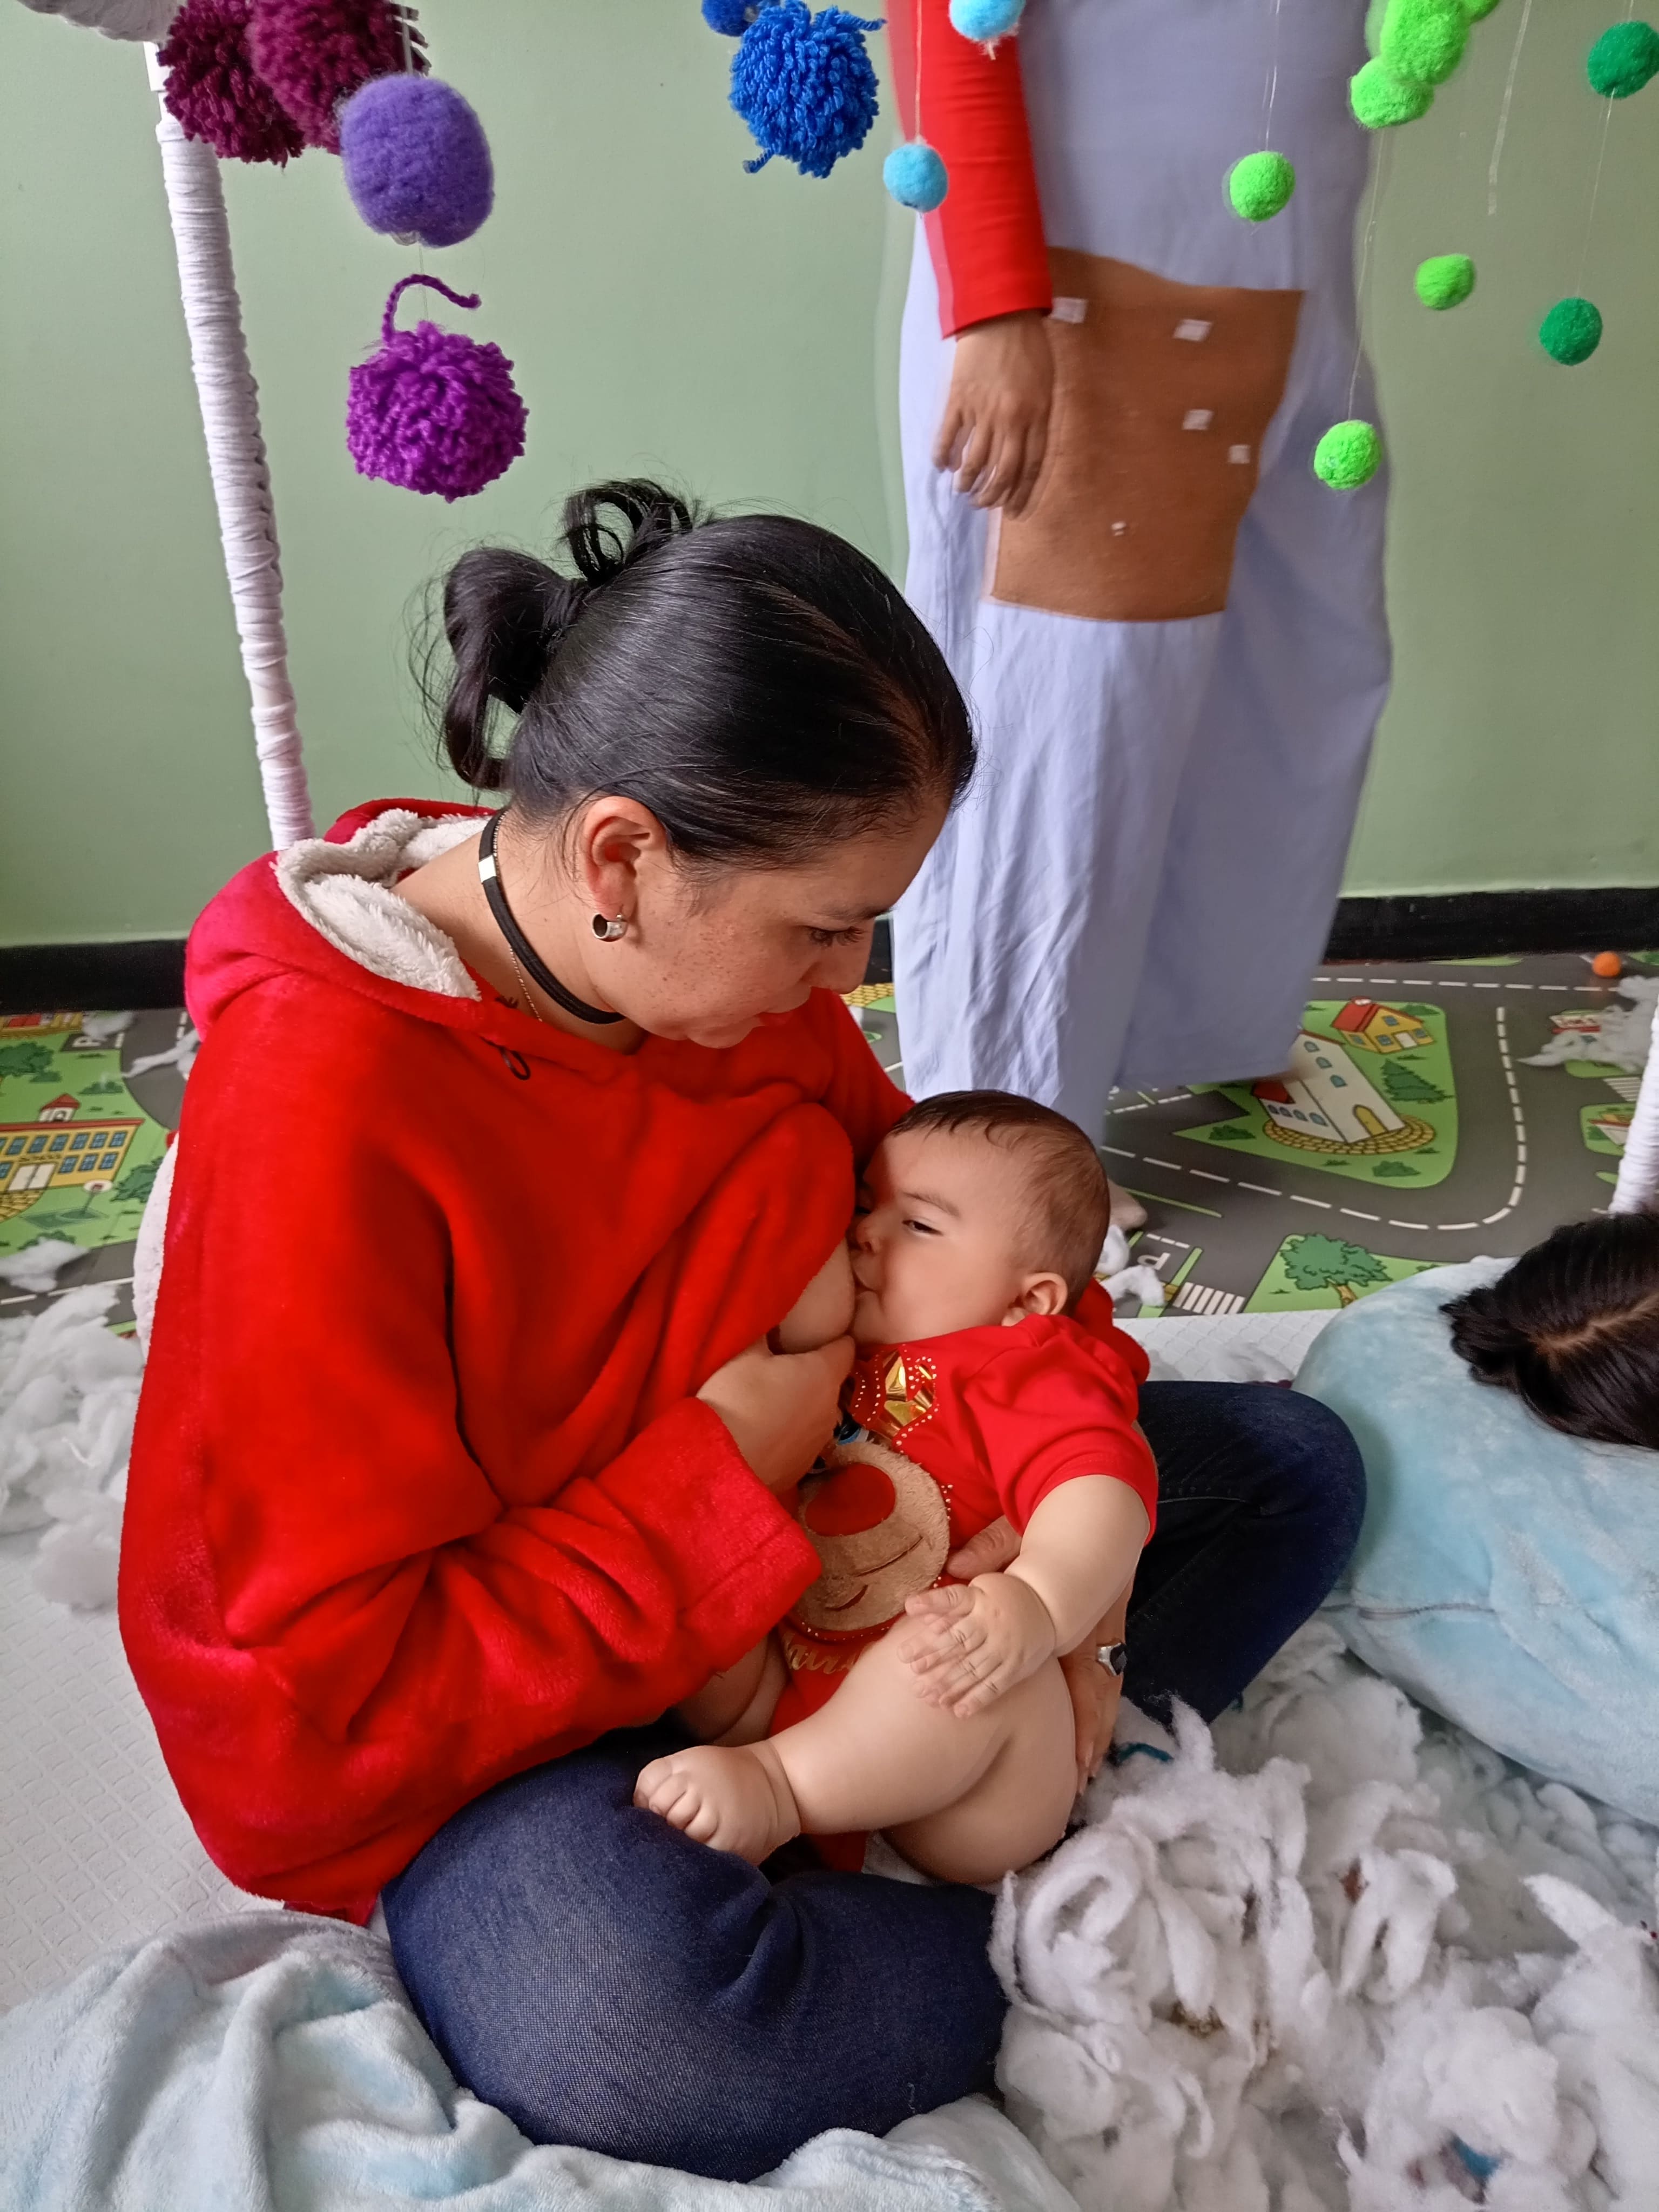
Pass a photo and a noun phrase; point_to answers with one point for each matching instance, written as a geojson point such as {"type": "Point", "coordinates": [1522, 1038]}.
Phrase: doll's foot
{"type": "Point", "coordinates": [737, 1800]}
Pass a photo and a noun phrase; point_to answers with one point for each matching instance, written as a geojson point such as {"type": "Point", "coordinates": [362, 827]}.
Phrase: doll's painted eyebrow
{"type": "Point", "coordinates": [926, 1197]}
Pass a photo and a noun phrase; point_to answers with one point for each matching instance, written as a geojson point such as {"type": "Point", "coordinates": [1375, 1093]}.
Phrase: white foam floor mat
{"type": "Point", "coordinates": [94, 1846]}
{"type": "Point", "coordinates": [1227, 1347]}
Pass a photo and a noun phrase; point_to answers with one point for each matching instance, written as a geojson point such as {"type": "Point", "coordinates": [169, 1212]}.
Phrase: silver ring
{"type": "Point", "coordinates": [1113, 1657]}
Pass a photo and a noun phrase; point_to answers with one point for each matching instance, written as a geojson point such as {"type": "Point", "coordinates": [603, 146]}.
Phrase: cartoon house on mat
{"type": "Point", "coordinates": [1323, 1095]}
{"type": "Point", "coordinates": [54, 1150]}
{"type": "Point", "coordinates": [1381, 1029]}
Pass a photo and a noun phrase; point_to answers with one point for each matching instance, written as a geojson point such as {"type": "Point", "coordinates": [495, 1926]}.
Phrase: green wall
{"type": "Point", "coordinates": [665, 312]}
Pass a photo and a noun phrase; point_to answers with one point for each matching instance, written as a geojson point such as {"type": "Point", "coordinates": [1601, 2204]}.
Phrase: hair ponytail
{"type": "Point", "coordinates": [754, 681]}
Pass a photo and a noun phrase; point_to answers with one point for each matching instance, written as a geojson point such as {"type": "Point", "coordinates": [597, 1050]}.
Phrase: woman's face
{"type": "Point", "coordinates": [709, 957]}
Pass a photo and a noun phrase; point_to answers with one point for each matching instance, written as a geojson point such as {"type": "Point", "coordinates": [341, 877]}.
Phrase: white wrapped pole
{"type": "Point", "coordinates": [1638, 1186]}
{"type": "Point", "coordinates": [236, 459]}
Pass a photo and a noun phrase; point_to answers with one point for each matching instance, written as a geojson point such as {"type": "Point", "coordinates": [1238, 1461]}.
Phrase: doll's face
{"type": "Point", "coordinates": [941, 1239]}
{"type": "Point", "coordinates": [879, 1526]}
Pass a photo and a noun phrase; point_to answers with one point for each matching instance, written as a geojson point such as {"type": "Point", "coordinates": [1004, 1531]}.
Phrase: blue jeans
{"type": "Point", "coordinates": [609, 1984]}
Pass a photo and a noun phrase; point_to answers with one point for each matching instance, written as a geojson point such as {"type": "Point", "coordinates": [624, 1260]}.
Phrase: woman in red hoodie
{"type": "Point", "coordinates": [461, 1454]}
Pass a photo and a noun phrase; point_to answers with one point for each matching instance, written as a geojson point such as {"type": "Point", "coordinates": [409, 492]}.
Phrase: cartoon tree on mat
{"type": "Point", "coordinates": [1393, 1167]}
{"type": "Point", "coordinates": [1406, 1087]}
{"type": "Point", "coordinates": [1327, 1263]}
{"type": "Point", "coordinates": [1228, 1132]}
{"type": "Point", "coordinates": [32, 1061]}
{"type": "Point", "coordinates": [135, 1186]}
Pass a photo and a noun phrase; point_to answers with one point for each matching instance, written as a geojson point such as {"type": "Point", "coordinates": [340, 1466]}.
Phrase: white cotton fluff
{"type": "Point", "coordinates": [1119, 1279]}
{"type": "Point", "coordinates": [69, 1392]}
{"type": "Point", "coordinates": [1318, 1957]}
{"type": "Point", "coordinates": [35, 1269]}
{"type": "Point", "coordinates": [1621, 1037]}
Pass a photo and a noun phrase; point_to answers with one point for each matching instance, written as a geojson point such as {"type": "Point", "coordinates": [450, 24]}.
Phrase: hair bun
{"type": "Point", "coordinates": [650, 517]}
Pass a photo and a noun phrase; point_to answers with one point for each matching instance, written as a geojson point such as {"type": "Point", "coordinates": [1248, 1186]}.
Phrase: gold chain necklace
{"type": "Point", "coordinates": [524, 985]}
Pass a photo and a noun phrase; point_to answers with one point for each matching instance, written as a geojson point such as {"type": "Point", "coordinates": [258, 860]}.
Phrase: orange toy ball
{"type": "Point", "coordinates": [1609, 964]}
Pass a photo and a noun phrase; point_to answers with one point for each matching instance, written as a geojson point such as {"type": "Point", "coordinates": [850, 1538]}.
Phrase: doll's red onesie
{"type": "Point", "coordinates": [941, 1438]}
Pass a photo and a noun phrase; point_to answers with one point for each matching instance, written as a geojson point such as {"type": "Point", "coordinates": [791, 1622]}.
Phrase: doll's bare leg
{"type": "Point", "coordinates": [966, 1800]}
{"type": "Point", "coordinates": [737, 1706]}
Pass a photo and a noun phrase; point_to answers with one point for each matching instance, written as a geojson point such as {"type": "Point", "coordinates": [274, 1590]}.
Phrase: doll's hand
{"type": "Point", "coordinates": [968, 1644]}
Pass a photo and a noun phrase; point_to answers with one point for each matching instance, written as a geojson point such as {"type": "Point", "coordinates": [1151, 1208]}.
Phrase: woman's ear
{"type": "Point", "coordinates": [1040, 1294]}
{"type": "Point", "coordinates": [614, 837]}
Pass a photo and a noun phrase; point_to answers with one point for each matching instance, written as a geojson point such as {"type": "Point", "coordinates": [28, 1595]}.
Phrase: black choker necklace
{"type": "Point", "coordinates": [523, 950]}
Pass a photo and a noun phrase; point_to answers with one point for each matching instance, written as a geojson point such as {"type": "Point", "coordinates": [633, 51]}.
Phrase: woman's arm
{"type": "Point", "coordinates": [986, 238]}
{"type": "Point", "coordinates": [343, 1629]}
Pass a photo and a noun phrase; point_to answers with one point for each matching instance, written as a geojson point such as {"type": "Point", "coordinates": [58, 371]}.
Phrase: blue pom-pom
{"type": "Point", "coordinates": [915, 176]}
{"type": "Point", "coordinates": [731, 18]}
{"type": "Point", "coordinates": [805, 85]}
{"type": "Point", "coordinates": [416, 161]}
{"type": "Point", "coordinates": [985, 19]}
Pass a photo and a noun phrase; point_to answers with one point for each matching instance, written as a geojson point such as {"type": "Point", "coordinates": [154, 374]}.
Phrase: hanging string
{"type": "Point", "coordinates": [1384, 155]}
{"type": "Point", "coordinates": [1272, 82]}
{"type": "Point", "coordinates": [1600, 158]}
{"type": "Point", "coordinates": [1503, 111]}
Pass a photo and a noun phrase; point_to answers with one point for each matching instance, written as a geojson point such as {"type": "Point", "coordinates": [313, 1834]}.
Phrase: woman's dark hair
{"type": "Point", "coordinates": [1573, 1330]}
{"type": "Point", "coordinates": [754, 681]}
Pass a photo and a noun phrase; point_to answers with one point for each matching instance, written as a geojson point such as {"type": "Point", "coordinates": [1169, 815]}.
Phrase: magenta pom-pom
{"type": "Point", "coordinates": [434, 411]}
{"type": "Point", "coordinates": [416, 159]}
{"type": "Point", "coordinates": [215, 91]}
{"type": "Point", "coordinates": [315, 54]}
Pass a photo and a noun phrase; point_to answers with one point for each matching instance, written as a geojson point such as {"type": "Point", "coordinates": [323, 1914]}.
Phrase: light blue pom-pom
{"type": "Point", "coordinates": [985, 19]}
{"type": "Point", "coordinates": [805, 85]}
{"type": "Point", "coordinates": [915, 176]}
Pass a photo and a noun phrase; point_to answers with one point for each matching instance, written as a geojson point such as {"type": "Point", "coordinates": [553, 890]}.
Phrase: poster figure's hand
{"type": "Point", "coordinates": [995, 431]}
{"type": "Point", "coordinates": [967, 1643]}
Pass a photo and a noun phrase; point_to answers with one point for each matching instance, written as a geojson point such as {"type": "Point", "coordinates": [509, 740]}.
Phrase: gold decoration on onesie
{"type": "Point", "coordinates": [880, 1528]}
{"type": "Point", "coordinates": [908, 1394]}
{"type": "Point", "coordinates": [1163, 395]}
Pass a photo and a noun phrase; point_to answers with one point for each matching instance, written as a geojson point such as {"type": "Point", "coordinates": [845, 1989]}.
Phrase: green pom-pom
{"type": "Point", "coordinates": [1348, 455]}
{"type": "Point", "coordinates": [1570, 332]}
{"type": "Point", "coordinates": [1478, 9]}
{"type": "Point", "coordinates": [1259, 186]}
{"type": "Point", "coordinates": [1622, 60]}
{"type": "Point", "coordinates": [1422, 41]}
{"type": "Point", "coordinates": [1380, 100]}
{"type": "Point", "coordinates": [1445, 280]}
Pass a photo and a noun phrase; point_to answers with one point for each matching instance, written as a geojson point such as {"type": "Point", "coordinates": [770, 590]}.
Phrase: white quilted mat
{"type": "Point", "coordinates": [1239, 1347]}
{"type": "Point", "coordinates": [94, 1847]}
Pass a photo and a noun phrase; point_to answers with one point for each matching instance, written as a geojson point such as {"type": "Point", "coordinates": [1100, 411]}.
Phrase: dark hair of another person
{"type": "Point", "coordinates": [754, 681]}
{"type": "Point", "coordinates": [1071, 1200]}
{"type": "Point", "coordinates": [1573, 1330]}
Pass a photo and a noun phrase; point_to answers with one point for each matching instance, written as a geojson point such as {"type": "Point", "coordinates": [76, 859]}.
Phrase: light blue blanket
{"type": "Point", "coordinates": [269, 2063]}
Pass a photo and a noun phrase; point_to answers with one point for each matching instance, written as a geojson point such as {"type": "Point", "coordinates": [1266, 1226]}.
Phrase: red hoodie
{"type": "Point", "coordinates": [421, 1495]}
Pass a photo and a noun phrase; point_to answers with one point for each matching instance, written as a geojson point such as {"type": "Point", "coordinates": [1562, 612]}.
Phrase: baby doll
{"type": "Point", "coordinates": [1573, 1330]}
{"type": "Point", "coordinates": [897, 1700]}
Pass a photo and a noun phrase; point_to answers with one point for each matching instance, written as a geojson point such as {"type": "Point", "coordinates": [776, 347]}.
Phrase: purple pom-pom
{"type": "Point", "coordinates": [433, 410]}
{"type": "Point", "coordinates": [315, 53]}
{"type": "Point", "coordinates": [215, 91]}
{"type": "Point", "coordinates": [416, 161]}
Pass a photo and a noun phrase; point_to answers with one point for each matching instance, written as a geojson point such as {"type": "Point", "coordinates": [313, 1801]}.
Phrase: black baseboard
{"type": "Point", "coordinates": [1466, 925]}
{"type": "Point", "coordinates": [1458, 926]}
{"type": "Point", "coordinates": [133, 972]}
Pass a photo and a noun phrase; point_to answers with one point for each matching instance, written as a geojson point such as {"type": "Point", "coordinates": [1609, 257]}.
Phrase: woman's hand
{"type": "Point", "coordinates": [1096, 1693]}
{"type": "Point", "coordinates": [995, 429]}
{"type": "Point", "coordinates": [781, 1407]}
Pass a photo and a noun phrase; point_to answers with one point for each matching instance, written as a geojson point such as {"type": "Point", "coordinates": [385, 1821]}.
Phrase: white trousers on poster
{"type": "Point", "coordinates": [1140, 881]}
